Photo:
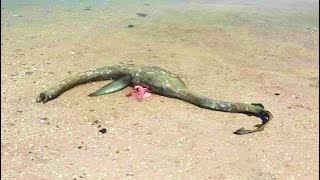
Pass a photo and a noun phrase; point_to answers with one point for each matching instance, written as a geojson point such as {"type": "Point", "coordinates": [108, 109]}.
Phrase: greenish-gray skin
{"type": "Point", "coordinates": [160, 82]}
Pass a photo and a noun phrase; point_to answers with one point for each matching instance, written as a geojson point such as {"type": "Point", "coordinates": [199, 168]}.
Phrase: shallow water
{"type": "Point", "coordinates": [263, 4]}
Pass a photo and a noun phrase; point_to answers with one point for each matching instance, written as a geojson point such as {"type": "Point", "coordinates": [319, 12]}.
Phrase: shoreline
{"type": "Point", "coordinates": [238, 56]}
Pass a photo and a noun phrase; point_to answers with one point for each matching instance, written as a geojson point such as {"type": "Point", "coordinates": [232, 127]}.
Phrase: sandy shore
{"type": "Point", "coordinates": [230, 53]}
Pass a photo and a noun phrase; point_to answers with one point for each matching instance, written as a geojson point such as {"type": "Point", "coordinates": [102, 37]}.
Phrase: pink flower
{"type": "Point", "coordinates": [140, 93]}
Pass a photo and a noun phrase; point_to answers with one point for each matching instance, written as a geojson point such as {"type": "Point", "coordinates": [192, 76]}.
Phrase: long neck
{"type": "Point", "coordinates": [104, 73]}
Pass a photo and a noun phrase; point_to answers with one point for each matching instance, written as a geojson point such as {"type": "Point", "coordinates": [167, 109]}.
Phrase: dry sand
{"type": "Point", "coordinates": [230, 53]}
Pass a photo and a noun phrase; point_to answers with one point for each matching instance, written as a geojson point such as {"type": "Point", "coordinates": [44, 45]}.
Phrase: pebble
{"type": "Point", "coordinates": [29, 73]}
{"type": "Point", "coordinates": [142, 14]}
{"type": "Point", "coordinates": [87, 8]}
{"type": "Point", "coordinates": [103, 130]}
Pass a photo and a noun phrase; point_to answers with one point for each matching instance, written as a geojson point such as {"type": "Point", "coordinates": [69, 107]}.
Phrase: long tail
{"type": "Point", "coordinates": [254, 109]}
{"type": "Point", "coordinates": [105, 73]}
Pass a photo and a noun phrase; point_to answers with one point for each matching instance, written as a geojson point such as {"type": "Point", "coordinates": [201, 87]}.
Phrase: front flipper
{"type": "Point", "coordinates": [114, 86]}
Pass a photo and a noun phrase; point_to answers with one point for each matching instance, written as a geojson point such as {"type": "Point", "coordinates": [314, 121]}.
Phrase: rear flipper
{"type": "Point", "coordinates": [254, 109]}
{"type": "Point", "coordinates": [114, 86]}
{"type": "Point", "coordinates": [265, 116]}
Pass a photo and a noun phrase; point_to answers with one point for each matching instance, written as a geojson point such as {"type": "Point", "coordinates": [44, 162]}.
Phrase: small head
{"type": "Point", "coordinates": [43, 97]}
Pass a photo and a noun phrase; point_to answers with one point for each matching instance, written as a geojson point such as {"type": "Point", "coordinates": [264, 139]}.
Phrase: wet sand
{"type": "Point", "coordinates": [224, 52]}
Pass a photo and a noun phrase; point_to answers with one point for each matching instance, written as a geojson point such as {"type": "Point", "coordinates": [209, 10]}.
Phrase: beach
{"type": "Point", "coordinates": [232, 52]}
